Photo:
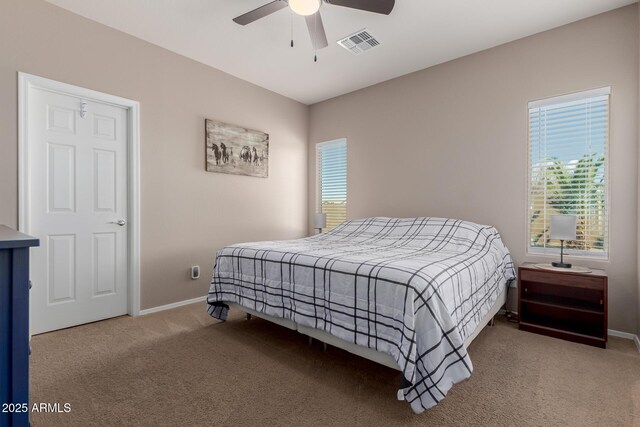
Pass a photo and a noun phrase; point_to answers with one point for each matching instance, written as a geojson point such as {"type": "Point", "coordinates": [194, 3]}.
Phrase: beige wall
{"type": "Point", "coordinates": [455, 129]}
{"type": "Point", "coordinates": [187, 213]}
{"type": "Point", "coordinates": [451, 140]}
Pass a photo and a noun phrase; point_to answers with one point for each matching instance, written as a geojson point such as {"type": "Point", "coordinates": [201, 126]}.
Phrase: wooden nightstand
{"type": "Point", "coordinates": [567, 305]}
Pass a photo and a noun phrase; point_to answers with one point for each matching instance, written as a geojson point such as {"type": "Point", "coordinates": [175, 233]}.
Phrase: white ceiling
{"type": "Point", "coordinates": [417, 34]}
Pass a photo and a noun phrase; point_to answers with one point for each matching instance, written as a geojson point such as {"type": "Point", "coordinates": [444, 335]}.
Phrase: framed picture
{"type": "Point", "coordinates": [236, 150]}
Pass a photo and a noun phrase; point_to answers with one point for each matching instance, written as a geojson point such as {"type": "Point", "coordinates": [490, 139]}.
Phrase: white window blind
{"type": "Point", "coordinates": [568, 161]}
{"type": "Point", "coordinates": [331, 169]}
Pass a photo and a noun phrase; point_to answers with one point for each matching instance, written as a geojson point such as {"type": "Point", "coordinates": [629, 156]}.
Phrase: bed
{"type": "Point", "coordinates": [410, 293]}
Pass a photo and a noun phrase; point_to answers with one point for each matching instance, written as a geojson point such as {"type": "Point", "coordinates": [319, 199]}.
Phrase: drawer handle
{"type": "Point", "coordinates": [601, 302]}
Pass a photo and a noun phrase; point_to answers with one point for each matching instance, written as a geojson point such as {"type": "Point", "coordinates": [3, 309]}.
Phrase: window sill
{"type": "Point", "coordinates": [553, 253]}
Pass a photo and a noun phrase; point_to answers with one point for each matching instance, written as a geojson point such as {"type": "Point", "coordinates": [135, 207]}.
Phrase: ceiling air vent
{"type": "Point", "coordinates": [359, 42]}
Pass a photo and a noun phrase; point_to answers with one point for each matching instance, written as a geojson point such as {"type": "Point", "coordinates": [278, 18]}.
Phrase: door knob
{"type": "Point", "coordinates": [120, 222]}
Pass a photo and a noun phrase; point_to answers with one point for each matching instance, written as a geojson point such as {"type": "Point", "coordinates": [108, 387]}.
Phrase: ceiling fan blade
{"type": "Point", "coordinates": [260, 12]}
{"type": "Point", "coordinates": [376, 6]}
{"type": "Point", "coordinates": [316, 31]}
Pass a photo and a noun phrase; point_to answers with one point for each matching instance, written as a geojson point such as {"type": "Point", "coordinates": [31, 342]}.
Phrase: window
{"type": "Point", "coordinates": [568, 163]}
{"type": "Point", "coordinates": [331, 170]}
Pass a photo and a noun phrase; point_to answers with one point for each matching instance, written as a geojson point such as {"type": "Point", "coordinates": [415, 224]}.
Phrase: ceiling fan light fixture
{"type": "Point", "coordinates": [305, 7]}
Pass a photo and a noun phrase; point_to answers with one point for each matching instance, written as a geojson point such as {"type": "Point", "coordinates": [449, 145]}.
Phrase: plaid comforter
{"type": "Point", "coordinates": [413, 288]}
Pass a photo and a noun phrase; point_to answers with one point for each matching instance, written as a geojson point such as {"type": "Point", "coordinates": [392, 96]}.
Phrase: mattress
{"type": "Point", "coordinates": [412, 288]}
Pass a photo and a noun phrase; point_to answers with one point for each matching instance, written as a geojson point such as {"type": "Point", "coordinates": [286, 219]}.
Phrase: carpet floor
{"type": "Point", "coordinates": [183, 368]}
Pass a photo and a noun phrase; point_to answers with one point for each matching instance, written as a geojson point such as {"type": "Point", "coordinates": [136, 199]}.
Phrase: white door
{"type": "Point", "coordinates": [77, 199]}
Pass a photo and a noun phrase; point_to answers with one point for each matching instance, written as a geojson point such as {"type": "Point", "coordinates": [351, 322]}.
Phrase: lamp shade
{"type": "Point", "coordinates": [320, 220]}
{"type": "Point", "coordinates": [304, 7]}
{"type": "Point", "coordinates": [563, 227]}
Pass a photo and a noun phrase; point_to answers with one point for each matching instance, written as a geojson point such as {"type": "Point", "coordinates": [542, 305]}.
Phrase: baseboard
{"type": "Point", "coordinates": [172, 305]}
{"type": "Point", "coordinates": [611, 332]}
{"type": "Point", "coordinates": [625, 335]}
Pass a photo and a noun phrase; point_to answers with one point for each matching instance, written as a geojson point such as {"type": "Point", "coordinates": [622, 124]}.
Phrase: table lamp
{"type": "Point", "coordinates": [563, 227]}
{"type": "Point", "coordinates": [320, 221]}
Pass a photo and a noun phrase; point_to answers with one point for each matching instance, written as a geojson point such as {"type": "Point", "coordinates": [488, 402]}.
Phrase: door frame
{"type": "Point", "coordinates": [27, 82]}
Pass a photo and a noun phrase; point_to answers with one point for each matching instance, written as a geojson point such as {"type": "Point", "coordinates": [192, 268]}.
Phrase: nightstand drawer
{"type": "Point", "coordinates": [587, 298]}
{"type": "Point", "coordinates": [562, 279]}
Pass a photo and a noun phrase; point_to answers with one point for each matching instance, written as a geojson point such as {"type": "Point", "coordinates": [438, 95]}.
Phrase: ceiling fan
{"type": "Point", "coordinates": [310, 9]}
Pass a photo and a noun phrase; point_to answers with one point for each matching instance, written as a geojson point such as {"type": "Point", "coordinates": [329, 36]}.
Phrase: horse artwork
{"type": "Point", "coordinates": [216, 153]}
{"type": "Point", "coordinates": [236, 150]}
{"type": "Point", "coordinates": [225, 153]}
{"type": "Point", "coordinates": [245, 154]}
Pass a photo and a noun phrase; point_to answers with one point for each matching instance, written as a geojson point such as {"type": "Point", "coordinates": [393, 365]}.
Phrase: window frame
{"type": "Point", "coordinates": [318, 175]}
{"type": "Point", "coordinates": [552, 252]}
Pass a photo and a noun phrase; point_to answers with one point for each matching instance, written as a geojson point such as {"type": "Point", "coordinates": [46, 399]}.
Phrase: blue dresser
{"type": "Point", "coordinates": [14, 326]}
